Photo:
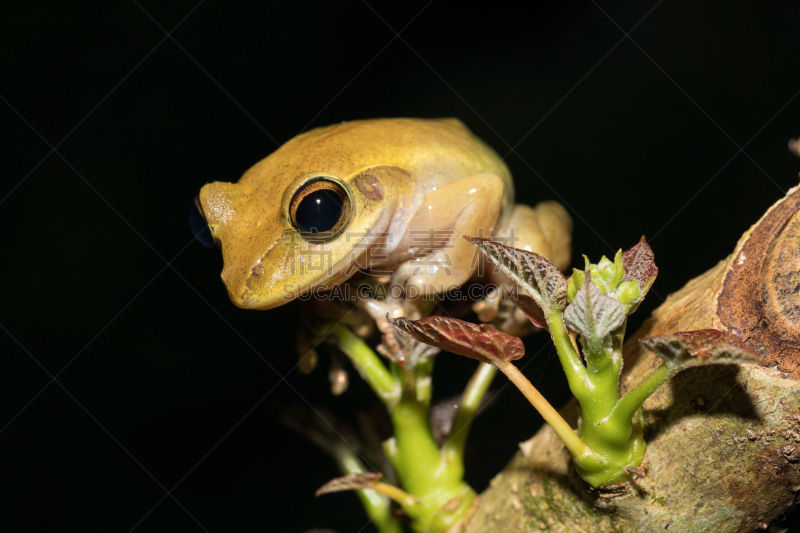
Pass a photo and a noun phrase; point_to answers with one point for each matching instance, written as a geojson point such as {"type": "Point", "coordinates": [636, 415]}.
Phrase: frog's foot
{"type": "Point", "coordinates": [499, 309]}
{"type": "Point", "coordinates": [545, 229]}
{"type": "Point", "coordinates": [402, 273]}
{"type": "Point", "coordinates": [337, 374]}
{"type": "Point", "coordinates": [488, 307]}
{"type": "Point", "coordinates": [434, 274]}
{"type": "Point", "coordinates": [442, 259]}
{"type": "Point", "coordinates": [510, 319]}
{"type": "Point", "coordinates": [392, 306]}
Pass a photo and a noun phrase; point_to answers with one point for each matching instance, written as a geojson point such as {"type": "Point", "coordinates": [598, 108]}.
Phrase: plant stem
{"type": "Point", "coordinates": [453, 449]}
{"type": "Point", "coordinates": [603, 366]}
{"type": "Point", "coordinates": [421, 468]}
{"type": "Point", "coordinates": [434, 494]}
{"type": "Point", "coordinates": [627, 406]}
{"type": "Point", "coordinates": [406, 500]}
{"type": "Point", "coordinates": [368, 365]}
{"type": "Point", "coordinates": [417, 457]}
{"type": "Point", "coordinates": [569, 357]}
{"type": "Point", "coordinates": [377, 506]}
{"type": "Point", "coordinates": [579, 450]}
{"type": "Point", "coordinates": [422, 374]}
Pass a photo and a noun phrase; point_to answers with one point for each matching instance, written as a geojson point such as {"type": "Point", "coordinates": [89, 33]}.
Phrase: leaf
{"type": "Point", "coordinates": [537, 276]}
{"type": "Point", "coordinates": [403, 349]}
{"type": "Point", "coordinates": [530, 308]}
{"type": "Point", "coordinates": [639, 264]}
{"type": "Point", "coordinates": [482, 342]}
{"type": "Point", "coordinates": [361, 480]}
{"type": "Point", "coordinates": [593, 314]}
{"type": "Point", "coordinates": [575, 281]}
{"type": "Point", "coordinates": [443, 413]}
{"type": "Point", "coordinates": [704, 346]}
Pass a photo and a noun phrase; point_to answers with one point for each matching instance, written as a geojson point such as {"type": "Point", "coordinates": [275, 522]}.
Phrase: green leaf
{"type": "Point", "coordinates": [593, 314]}
{"type": "Point", "coordinates": [626, 279]}
{"type": "Point", "coordinates": [534, 274]}
{"type": "Point", "coordinates": [705, 346]}
{"type": "Point", "coordinates": [482, 342]}
{"type": "Point", "coordinates": [575, 282]}
{"type": "Point", "coordinates": [608, 274]}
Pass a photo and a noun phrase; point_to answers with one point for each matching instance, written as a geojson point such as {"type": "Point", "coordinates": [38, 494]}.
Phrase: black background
{"type": "Point", "coordinates": [159, 376]}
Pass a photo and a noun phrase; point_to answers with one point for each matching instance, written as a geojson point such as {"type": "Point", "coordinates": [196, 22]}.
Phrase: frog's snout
{"type": "Point", "coordinates": [259, 275]}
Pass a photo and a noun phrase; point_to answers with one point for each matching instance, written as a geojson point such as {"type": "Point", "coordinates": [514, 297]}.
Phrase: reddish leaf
{"type": "Point", "coordinates": [534, 274]}
{"type": "Point", "coordinates": [531, 309]}
{"type": "Point", "coordinates": [404, 350]}
{"type": "Point", "coordinates": [482, 342]}
{"type": "Point", "coordinates": [705, 346]}
{"type": "Point", "coordinates": [362, 480]}
{"type": "Point", "coordinates": [639, 264]}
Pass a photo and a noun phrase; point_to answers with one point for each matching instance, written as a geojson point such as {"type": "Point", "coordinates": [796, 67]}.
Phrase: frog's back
{"type": "Point", "coordinates": [433, 151]}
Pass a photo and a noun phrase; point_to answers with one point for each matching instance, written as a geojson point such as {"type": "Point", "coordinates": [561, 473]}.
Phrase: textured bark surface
{"type": "Point", "coordinates": [723, 441]}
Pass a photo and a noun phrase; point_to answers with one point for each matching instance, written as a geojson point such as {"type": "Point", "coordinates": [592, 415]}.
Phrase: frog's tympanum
{"type": "Point", "coordinates": [385, 195]}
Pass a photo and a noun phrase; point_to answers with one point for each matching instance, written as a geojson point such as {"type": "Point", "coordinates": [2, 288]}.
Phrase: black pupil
{"type": "Point", "coordinates": [319, 211]}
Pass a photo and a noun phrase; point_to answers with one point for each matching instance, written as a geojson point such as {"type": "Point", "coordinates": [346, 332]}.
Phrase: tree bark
{"type": "Point", "coordinates": [723, 441]}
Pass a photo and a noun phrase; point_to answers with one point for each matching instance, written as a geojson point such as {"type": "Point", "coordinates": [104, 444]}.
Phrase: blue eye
{"type": "Point", "coordinates": [198, 224]}
{"type": "Point", "coordinates": [320, 206]}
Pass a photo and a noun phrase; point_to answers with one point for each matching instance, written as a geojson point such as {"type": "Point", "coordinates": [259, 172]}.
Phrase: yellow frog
{"type": "Point", "coordinates": [385, 195]}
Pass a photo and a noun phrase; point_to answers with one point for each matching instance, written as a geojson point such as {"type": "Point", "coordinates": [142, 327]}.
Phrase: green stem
{"type": "Point", "coordinates": [443, 496]}
{"type": "Point", "coordinates": [570, 359]}
{"type": "Point", "coordinates": [603, 366]}
{"type": "Point", "coordinates": [417, 455]}
{"type": "Point", "coordinates": [581, 453]}
{"type": "Point", "coordinates": [453, 449]}
{"type": "Point", "coordinates": [376, 505]}
{"type": "Point", "coordinates": [424, 383]}
{"type": "Point", "coordinates": [368, 365]}
{"type": "Point", "coordinates": [627, 406]}
{"type": "Point", "coordinates": [404, 499]}
{"type": "Point", "coordinates": [434, 494]}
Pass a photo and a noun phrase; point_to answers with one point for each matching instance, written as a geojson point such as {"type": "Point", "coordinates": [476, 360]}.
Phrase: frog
{"type": "Point", "coordinates": [364, 195]}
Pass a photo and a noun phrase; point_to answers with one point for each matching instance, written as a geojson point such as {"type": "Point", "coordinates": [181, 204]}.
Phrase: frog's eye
{"type": "Point", "coordinates": [199, 225]}
{"type": "Point", "coordinates": [320, 206]}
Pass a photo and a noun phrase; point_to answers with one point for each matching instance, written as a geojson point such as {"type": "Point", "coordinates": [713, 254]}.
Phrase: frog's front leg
{"type": "Point", "coordinates": [545, 229]}
{"type": "Point", "coordinates": [441, 258]}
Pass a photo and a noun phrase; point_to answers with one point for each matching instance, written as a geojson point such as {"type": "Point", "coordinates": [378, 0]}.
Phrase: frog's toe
{"type": "Point", "coordinates": [510, 319]}
{"type": "Point", "coordinates": [488, 307]}
{"type": "Point", "coordinates": [434, 274]}
{"type": "Point", "coordinates": [402, 273]}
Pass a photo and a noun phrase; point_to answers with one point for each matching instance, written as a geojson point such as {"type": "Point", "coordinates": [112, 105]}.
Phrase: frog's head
{"type": "Point", "coordinates": [285, 229]}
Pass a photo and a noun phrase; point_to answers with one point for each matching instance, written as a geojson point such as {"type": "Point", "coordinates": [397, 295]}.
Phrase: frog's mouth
{"type": "Point", "coordinates": [291, 268]}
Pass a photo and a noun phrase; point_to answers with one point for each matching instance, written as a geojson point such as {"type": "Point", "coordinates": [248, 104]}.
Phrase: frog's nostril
{"type": "Point", "coordinates": [198, 224]}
